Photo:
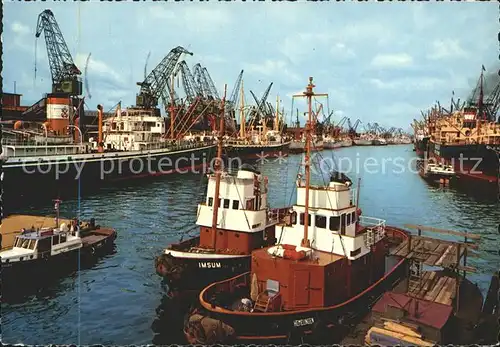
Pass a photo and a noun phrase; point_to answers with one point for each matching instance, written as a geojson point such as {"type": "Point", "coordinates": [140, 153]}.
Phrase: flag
{"type": "Point", "coordinates": [483, 68]}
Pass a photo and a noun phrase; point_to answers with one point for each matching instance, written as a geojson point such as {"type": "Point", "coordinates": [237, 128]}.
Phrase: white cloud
{"type": "Point", "coordinates": [341, 51]}
{"type": "Point", "coordinates": [448, 48]}
{"type": "Point", "coordinates": [400, 109]}
{"type": "Point", "coordinates": [391, 60]}
{"type": "Point", "coordinates": [97, 68]}
{"type": "Point", "coordinates": [272, 67]}
{"type": "Point", "coordinates": [417, 83]}
{"type": "Point", "coordinates": [20, 28]}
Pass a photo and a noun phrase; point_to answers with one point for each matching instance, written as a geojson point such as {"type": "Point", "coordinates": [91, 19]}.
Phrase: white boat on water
{"type": "Point", "coordinates": [439, 169]}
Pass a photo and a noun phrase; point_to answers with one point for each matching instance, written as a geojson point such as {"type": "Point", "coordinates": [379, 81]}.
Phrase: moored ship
{"type": "Point", "coordinates": [312, 279]}
{"type": "Point", "coordinates": [40, 251]}
{"type": "Point", "coordinates": [133, 144]}
{"type": "Point", "coordinates": [467, 138]}
{"type": "Point", "coordinates": [234, 220]}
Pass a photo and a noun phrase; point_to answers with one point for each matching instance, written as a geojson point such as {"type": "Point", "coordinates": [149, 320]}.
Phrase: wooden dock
{"type": "Point", "coordinates": [12, 225]}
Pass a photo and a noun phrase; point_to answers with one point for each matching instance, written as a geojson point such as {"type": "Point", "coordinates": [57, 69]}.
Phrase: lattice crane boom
{"type": "Point", "coordinates": [235, 95]}
{"type": "Point", "coordinates": [157, 80]}
{"type": "Point", "coordinates": [62, 68]}
{"type": "Point", "coordinates": [190, 86]}
{"type": "Point", "coordinates": [210, 84]}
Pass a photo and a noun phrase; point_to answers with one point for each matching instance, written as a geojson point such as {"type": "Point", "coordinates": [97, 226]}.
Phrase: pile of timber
{"type": "Point", "coordinates": [436, 287]}
{"type": "Point", "coordinates": [393, 333]}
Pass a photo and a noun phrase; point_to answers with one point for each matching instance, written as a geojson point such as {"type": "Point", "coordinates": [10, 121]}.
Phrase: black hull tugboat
{"type": "Point", "coordinates": [329, 264]}
{"type": "Point", "coordinates": [234, 220]}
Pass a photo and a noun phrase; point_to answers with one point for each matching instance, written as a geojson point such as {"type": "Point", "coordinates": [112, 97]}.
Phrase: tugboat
{"type": "Point", "coordinates": [37, 251]}
{"type": "Point", "coordinates": [234, 220]}
{"type": "Point", "coordinates": [329, 262]}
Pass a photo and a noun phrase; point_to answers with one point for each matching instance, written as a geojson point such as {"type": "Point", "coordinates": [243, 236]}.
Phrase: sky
{"type": "Point", "coordinates": [378, 62]}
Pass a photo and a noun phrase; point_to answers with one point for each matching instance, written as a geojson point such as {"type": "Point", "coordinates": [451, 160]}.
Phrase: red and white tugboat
{"type": "Point", "coordinates": [232, 225]}
{"type": "Point", "coordinates": [329, 264]}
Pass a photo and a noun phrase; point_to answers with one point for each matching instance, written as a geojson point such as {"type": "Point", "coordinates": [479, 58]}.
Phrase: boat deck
{"type": "Point", "coordinates": [12, 225]}
{"type": "Point", "coordinates": [96, 236]}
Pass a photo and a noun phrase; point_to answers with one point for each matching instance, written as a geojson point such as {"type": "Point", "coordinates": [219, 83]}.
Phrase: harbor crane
{"type": "Point", "coordinates": [65, 74]}
{"type": "Point", "coordinates": [352, 129]}
{"type": "Point", "coordinates": [234, 98]}
{"type": "Point", "coordinates": [258, 113]}
{"type": "Point", "coordinates": [154, 85]}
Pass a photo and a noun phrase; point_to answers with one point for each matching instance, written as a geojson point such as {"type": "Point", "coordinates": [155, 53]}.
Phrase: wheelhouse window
{"type": "Point", "coordinates": [302, 219]}
{"type": "Point", "coordinates": [356, 252]}
{"type": "Point", "coordinates": [210, 201]}
{"type": "Point", "coordinates": [320, 221]}
{"type": "Point", "coordinates": [63, 238]}
{"type": "Point", "coordinates": [342, 220]}
{"type": "Point", "coordinates": [334, 223]}
{"type": "Point", "coordinates": [55, 240]}
{"type": "Point", "coordinates": [226, 203]}
{"type": "Point", "coordinates": [353, 217]}
{"type": "Point", "coordinates": [249, 204]}
{"type": "Point", "coordinates": [236, 204]}
{"type": "Point", "coordinates": [348, 219]}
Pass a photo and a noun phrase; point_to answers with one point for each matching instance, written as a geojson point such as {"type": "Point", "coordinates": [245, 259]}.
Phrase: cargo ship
{"type": "Point", "coordinates": [234, 220]}
{"type": "Point", "coordinates": [258, 146]}
{"type": "Point", "coordinates": [312, 279]}
{"type": "Point", "coordinates": [468, 139]}
{"type": "Point", "coordinates": [131, 144]}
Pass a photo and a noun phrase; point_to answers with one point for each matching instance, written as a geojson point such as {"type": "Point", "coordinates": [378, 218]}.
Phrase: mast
{"type": "Point", "coordinates": [309, 93]}
{"type": "Point", "coordinates": [56, 207]}
{"type": "Point", "coordinates": [172, 109]}
{"type": "Point", "coordinates": [242, 113]}
{"type": "Point", "coordinates": [218, 171]}
{"type": "Point", "coordinates": [276, 119]}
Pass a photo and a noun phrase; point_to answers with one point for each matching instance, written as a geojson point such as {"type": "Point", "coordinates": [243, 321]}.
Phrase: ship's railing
{"type": "Point", "coordinates": [375, 229]}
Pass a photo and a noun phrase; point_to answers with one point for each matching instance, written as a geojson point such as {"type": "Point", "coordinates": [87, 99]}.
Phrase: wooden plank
{"type": "Point", "coordinates": [440, 260]}
{"type": "Point", "coordinates": [399, 247]}
{"type": "Point", "coordinates": [434, 240]}
{"type": "Point", "coordinates": [449, 293]}
{"type": "Point", "coordinates": [425, 283]}
{"type": "Point", "coordinates": [436, 254]}
{"type": "Point", "coordinates": [436, 289]}
{"type": "Point", "coordinates": [451, 258]}
{"type": "Point", "coordinates": [445, 293]}
{"type": "Point", "coordinates": [443, 231]}
{"type": "Point", "coordinates": [466, 268]}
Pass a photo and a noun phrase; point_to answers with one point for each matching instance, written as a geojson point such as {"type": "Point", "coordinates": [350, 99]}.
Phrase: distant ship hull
{"type": "Point", "coordinates": [478, 163]}
{"type": "Point", "coordinates": [363, 142]}
{"type": "Point", "coordinates": [257, 152]}
{"type": "Point", "coordinates": [28, 175]}
{"type": "Point", "coordinates": [420, 146]}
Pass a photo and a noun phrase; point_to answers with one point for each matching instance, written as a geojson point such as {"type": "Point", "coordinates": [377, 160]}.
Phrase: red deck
{"type": "Point", "coordinates": [429, 313]}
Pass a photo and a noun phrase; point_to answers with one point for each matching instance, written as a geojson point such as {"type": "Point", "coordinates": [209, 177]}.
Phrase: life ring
{"type": "Point", "coordinates": [92, 250]}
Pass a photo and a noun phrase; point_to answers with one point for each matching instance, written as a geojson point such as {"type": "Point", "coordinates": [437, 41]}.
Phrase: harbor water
{"type": "Point", "coordinates": [118, 301]}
